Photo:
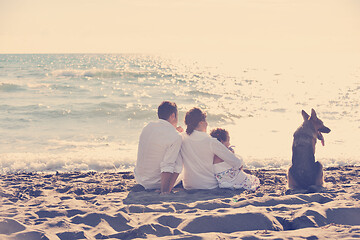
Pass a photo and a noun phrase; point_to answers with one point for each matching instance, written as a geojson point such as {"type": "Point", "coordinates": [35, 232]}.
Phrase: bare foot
{"type": "Point", "coordinates": [165, 193]}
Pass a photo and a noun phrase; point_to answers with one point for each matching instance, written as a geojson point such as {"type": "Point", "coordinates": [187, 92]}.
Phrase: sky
{"type": "Point", "coordinates": [250, 28]}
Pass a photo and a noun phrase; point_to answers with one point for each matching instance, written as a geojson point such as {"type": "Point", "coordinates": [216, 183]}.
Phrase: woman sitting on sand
{"type": "Point", "coordinates": [198, 150]}
{"type": "Point", "coordinates": [225, 174]}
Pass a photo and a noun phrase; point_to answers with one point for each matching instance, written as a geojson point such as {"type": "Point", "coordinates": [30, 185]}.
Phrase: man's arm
{"type": "Point", "coordinates": [171, 155]}
{"type": "Point", "coordinates": [171, 166]}
{"type": "Point", "coordinates": [167, 181]}
{"type": "Point", "coordinates": [173, 179]}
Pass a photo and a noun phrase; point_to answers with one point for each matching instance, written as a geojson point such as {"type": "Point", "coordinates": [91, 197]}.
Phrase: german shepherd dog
{"type": "Point", "coordinates": [305, 171]}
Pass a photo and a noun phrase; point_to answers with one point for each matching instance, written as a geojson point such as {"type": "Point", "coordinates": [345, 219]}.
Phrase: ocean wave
{"type": "Point", "coordinates": [272, 163]}
{"type": "Point", "coordinates": [84, 111]}
{"type": "Point", "coordinates": [9, 87]}
{"type": "Point", "coordinates": [98, 154]}
{"type": "Point", "coordinates": [114, 161]}
{"type": "Point", "coordinates": [67, 88]}
{"type": "Point", "coordinates": [108, 73]}
{"type": "Point", "coordinates": [200, 93]}
{"type": "Point", "coordinates": [108, 111]}
{"type": "Point", "coordinates": [45, 162]}
{"type": "Point", "coordinates": [23, 108]}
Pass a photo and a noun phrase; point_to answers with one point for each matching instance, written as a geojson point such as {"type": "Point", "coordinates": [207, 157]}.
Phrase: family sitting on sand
{"type": "Point", "coordinates": [207, 161]}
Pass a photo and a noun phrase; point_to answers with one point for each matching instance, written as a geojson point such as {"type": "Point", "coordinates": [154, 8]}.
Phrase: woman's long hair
{"type": "Point", "coordinates": [193, 118]}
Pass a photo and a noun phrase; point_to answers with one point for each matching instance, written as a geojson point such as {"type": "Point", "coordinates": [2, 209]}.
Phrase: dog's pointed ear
{"type": "Point", "coordinates": [313, 114]}
{"type": "Point", "coordinates": [305, 115]}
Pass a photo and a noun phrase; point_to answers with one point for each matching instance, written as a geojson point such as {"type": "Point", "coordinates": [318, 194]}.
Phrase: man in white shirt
{"type": "Point", "coordinates": [158, 163]}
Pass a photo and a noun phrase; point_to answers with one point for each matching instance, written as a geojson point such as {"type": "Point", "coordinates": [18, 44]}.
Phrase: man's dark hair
{"type": "Point", "coordinates": [165, 109]}
{"type": "Point", "coordinates": [220, 134]}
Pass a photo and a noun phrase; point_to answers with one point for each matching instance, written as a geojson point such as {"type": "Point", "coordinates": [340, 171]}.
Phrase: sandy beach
{"type": "Point", "coordinates": [91, 205]}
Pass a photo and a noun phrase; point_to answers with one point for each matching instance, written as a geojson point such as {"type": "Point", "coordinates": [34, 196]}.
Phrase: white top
{"type": "Point", "coordinates": [227, 174]}
{"type": "Point", "coordinates": [158, 152]}
{"type": "Point", "coordinates": [221, 167]}
{"type": "Point", "coordinates": [197, 153]}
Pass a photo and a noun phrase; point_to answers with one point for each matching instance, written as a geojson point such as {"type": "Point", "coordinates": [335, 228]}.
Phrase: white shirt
{"type": "Point", "coordinates": [158, 151]}
{"type": "Point", "coordinates": [197, 153]}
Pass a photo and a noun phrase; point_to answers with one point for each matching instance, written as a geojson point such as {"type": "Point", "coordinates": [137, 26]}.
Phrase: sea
{"type": "Point", "coordinates": [85, 112]}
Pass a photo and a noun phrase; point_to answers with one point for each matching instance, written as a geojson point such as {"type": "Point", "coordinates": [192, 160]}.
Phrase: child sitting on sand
{"type": "Point", "coordinates": [227, 176]}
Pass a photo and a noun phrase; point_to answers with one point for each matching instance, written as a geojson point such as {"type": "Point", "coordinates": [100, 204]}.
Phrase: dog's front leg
{"type": "Point", "coordinates": [319, 181]}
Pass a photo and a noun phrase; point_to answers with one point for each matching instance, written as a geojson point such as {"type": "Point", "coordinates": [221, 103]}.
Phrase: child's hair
{"type": "Point", "coordinates": [193, 118]}
{"type": "Point", "coordinates": [220, 134]}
